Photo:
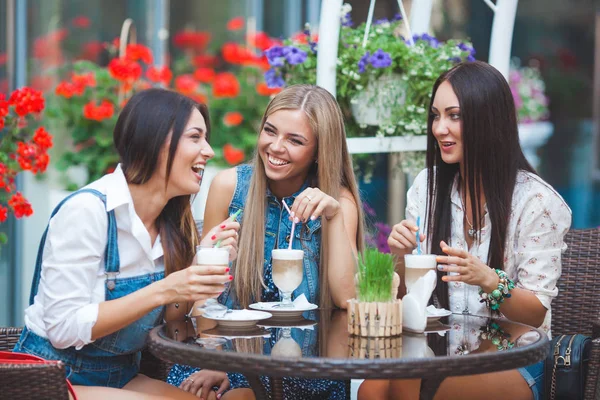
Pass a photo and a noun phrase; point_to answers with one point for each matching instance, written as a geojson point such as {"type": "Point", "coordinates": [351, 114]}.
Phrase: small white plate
{"type": "Point", "coordinates": [283, 313]}
{"type": "Point", "coordinates": [440, 314]}
{"type": "Point", "coordinates": [287, 323]}
{"type": "Point", "coordinates": [240, 318]}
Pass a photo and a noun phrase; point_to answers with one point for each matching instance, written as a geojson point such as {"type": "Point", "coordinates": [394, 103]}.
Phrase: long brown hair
{"type": "Point", "coordinates": [142, 130]}
{"type": "Point", "coordinates": [332, 173]}
{"type": "Point", "coordinates": [492, 157]}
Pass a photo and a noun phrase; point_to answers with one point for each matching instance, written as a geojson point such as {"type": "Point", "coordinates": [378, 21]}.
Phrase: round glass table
{"type": "Point", "coordinates": [318, 346]}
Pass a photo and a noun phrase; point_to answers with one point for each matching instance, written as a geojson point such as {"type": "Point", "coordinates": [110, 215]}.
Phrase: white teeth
{"type": "Point", "coordinates": [198, 167]}
{"type": "Point", "coordinates": [277, 161]}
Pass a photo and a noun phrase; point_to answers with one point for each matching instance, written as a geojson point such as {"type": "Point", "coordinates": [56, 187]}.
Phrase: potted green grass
{"type": "Point", "coordinates": [377, 311]}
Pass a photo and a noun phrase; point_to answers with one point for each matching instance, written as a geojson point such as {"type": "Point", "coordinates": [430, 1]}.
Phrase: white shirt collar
{"type": "Point", "coordinates": [117, 190]}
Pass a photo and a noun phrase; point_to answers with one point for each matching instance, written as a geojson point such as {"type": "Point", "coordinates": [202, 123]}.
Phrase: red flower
{"type": "Point", "coordinates": [3, 214]}
{"type": "Point", "coordinates": [186, 84]}
{"type": "Point", "coordinates": [92, 50]}
{"type": "Point", "coordinates": [160, 75]}
{"type": "Point", "coordinates": [204, 75]}
{"type": "Point", "coordinates": [232, 155]}
{"type": "Point", "coordinates": [41, 163]}
{"type": "Point", "coordinates": [1, 123]}
{"type": "Point", "coordinates": [42, 138]}
{"type": "Point", "coordinates": [3, 106]}
{"type": "Point", "coordinates": [65, 89]}
{"type": "Point", "coordinates": [20, 205]}
{"type": "Point", "coordinates": [26, 153]}
{"type": "Point", "coordinates": [235, 24]}
{"type": "Point", "coordinates": [234, 53]}
{"type": "Point", "coordinates": [83, 80]}
{"type": "Point", "coordinates": [27, 100]}
{"type": "Point", "coordinates": [226, 85]}
{"type": "Point", "coordinates": [98, 113]}
{"type": "Point", "coordinates": [233, 118]}
{"type": "Point", "coordinates": [81, 21]}
{"type": "Point", "coordinates": [261, 41]}
{"type": "Point", "coordinates": [3, 58]}
{"type": "Point", "coordinates": [198, 98]}
{"type": "Point", "coordinates": [124, 70]}
{"type": "Point", "coordinates": [191, 40]}
{"type": "Point", "coordinates": [135, 52]}
{"type": "Point", "coordinates": [265, 90]}
{"type": "Point", "coordinates": [204, 60]}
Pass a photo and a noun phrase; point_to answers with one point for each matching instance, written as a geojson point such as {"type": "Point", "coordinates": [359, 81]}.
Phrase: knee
{"type": "Point", "coordinates": [373, 390]}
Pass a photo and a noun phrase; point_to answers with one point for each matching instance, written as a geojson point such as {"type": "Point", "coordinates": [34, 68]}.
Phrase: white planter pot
{"type": "Point", "coordinates": [375, 104]}
{"type": "Point", "coordinates": [533, 136]}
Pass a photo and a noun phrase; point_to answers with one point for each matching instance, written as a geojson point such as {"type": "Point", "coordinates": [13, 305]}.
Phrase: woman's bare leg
{"type": "Point", "coordinates": [239, 394]}
{"type": "Point", "coordinates": [372, 389]}
{"type": "Point", "coordinates": [144, 385]}
{"type": "Point", "coordinates": [493, 386]}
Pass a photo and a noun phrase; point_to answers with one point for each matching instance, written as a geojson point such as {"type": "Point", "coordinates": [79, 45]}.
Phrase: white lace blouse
{"type": "Point", "coordinates": [539, 220]}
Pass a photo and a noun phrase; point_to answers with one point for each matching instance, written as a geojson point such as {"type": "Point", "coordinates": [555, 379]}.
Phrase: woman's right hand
{"type": "Point", "coordinates": [402, 239]}
{"type": "Point", "coordinates": [201, 383]}
{"type": "Point", "coordinates": [197, 282]}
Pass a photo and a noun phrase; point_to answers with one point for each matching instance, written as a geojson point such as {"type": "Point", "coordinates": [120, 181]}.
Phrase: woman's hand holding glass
{"type": "Point", "coordinates": [467, 268]}
{"type": "Point", "coordinates": [227, 233]}
{"type": "Point", "coordinates": [197, 282]}
{"type": "Point", "coordinates": [313, 203]}
{"type": "Point", "coordinates": [402, 239]}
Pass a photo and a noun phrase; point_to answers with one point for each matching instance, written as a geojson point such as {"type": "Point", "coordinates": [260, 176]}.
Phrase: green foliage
{"type": "Point", "coordinates": [375, 276]}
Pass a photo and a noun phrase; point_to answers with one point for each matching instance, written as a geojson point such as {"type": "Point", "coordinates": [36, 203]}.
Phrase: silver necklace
{"type": "Point", "coordinates": [471, 231]}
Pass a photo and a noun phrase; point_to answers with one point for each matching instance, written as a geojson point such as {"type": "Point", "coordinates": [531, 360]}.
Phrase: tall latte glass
{"type": "Point", "coordinates": [287, 273]}
{"type": "Point", "coordinates": [218, 256]}
{"type": "Point", "coordinates": [416, 266]}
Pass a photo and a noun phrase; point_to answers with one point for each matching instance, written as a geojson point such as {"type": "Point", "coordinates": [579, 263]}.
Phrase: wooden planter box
{"type": "Point", "coordinates": [375, 319]}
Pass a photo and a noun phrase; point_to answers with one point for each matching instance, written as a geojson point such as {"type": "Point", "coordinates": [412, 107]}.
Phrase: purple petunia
{"type": "Point", "coordinates": [273, 79]}
{"type": "Point", "coordinates": [275, 56]}
{"type": "Point", "coordinates": [381, 21]}
{"type": "Point", "coordinates": [397, 17]}
{"type": "Point", "coordinates": [431, 41]}
{"type": "Point", "coordinates": [362, 63]}
{"type": "Point", "coordinates": [294, 55]}
{"type": "Point", "coordinates": [469, 49]}
{"type": "Point", "coordinates": [380, 59]}
{"type": "Point", "coordinates": [347, 20]}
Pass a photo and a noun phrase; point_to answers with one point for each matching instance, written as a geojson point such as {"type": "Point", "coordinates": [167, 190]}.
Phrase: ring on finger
{"type": "Point", "coordinates": [309, 198]}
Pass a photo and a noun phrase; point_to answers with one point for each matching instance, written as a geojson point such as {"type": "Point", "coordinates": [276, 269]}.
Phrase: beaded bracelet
{"type": "Point", "coordinates": [494, 299]}
{"type": "Point", "coordinates": [496, 335]}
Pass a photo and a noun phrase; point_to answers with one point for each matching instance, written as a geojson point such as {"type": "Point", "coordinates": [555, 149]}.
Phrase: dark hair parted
{"type": "Point", "coordinates": [148, 121]}
{"type": "Point", "coordinates": [492, 157]}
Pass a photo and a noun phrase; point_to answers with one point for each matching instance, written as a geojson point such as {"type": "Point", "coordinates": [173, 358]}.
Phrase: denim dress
{"type": "Point", "coordinates": [112, 360]}
{"type": "Point", "coordinates": [307, 237]}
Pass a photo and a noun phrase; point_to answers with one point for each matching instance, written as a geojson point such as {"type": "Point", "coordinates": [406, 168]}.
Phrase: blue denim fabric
{"type": "Point", "coordinates": [277, 235]}
{"type": "Point", "coordinates": [534, 376]}
{"type": "Point", "coordinates": [114, 359]}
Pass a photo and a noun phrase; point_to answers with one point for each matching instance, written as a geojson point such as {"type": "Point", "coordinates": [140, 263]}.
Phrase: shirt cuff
{"type": "Point", "coordinates": [86, 319]}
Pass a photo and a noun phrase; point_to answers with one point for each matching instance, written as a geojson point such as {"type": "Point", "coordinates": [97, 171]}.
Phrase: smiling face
{"type": "Point", "coordinates": [190, 158]}
{"type": "Point", "coordinates": [287, 147]}
{"type": "Point", "coordinates": [447, 124]}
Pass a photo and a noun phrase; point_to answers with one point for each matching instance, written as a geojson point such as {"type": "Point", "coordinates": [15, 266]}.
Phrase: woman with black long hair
{"type": "Point", "coordinates": [495, 225]}
{"type": "Point", "coordinates": [118, 251]}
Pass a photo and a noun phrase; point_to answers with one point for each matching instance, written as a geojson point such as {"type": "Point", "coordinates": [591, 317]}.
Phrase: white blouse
{"type": "Point", "coordinates": [73, 279]}
{"type": "Point", "coordinates": [539, 220]}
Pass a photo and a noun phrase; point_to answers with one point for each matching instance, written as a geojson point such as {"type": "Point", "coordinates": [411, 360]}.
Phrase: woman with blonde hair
{"type": "Point", "coordinates": [301, 159]}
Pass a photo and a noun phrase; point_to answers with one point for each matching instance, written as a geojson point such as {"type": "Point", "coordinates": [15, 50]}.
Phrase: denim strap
{"type": "Point", "coordinates": [111, 254]}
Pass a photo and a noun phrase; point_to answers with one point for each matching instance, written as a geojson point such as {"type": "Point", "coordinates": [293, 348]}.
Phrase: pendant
{"type": "Point", "coordinates": [471, 232]}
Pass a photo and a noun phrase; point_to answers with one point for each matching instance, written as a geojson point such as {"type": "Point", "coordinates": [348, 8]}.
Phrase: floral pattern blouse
{"type": "Point", "coordinates": [539, 220]}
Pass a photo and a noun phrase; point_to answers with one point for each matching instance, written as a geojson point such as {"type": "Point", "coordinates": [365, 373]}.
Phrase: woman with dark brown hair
{"type": "Point", "coordinates": [118, 251]}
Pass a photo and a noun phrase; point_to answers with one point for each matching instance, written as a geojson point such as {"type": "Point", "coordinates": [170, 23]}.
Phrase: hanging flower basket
{"type": "Point", "coordinates": [376, 104]}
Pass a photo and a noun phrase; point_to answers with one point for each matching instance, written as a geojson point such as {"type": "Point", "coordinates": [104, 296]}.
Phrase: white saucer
{"type": "Point", "coordinates": [287, 323]}
{"type": "Point", "coordinates": [283, 313]}
{"type": "Point", "coordinates": [240, 318]}
{"type": "Point", "coordinates": [441, 313]}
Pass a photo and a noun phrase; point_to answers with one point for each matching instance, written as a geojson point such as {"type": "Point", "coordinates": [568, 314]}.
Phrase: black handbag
{"type": "Point", "coordinates": [565, 367]}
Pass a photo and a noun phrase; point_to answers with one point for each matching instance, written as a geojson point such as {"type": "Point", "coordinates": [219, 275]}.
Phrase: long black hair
{"type": "Point", "coordinates": [492, 157]}
{"type": "Point", "coordinates": [142, 129]}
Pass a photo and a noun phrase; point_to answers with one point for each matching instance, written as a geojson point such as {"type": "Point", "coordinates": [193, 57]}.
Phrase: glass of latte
{"type": "Point", "coordinates": [416, 266]}
{"type": "Point", "coordinates": [287, 273]}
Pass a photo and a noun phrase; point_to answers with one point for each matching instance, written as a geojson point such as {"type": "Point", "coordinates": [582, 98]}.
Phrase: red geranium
{"type": "Point", "coordinates": [26, 101]}
{"type": "Point", "coordinates": [3, 213]}
{"type": "Point", "coordinates": [81, 21]}
{"type": "Point", "coordinates": [186, 84]}
{"type": "Point", "coordinates": [100, 112]}
{"type": "Point", "coordinates": [124, 70]}
{"type": "Point", "coordinates": [135, 52]}
{"type": "Point", "coordinates": [226, 85]}
{"type": "Point", "coordinates": [265, 90]}
{"type": "Point", "coordinates": [20, 205]}
{"type": "Point", "coordinates": [160, 75]}
{"type": "Point", "coordinates": [191, 40]}
{"type": "Point", "coordinates": [235, 24]}
{"type": "Point", "coordinates": [204, 75]}
{"type": "Point", "coordinates": [233, 118]}
{"type": "Point", "coordinates": [233, 155]}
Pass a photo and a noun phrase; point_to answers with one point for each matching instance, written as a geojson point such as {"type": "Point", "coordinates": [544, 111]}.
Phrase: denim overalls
{"type": "Point", "coordinates": [277, 235]}
{"type": "Point", "coordinates": [114, 359]}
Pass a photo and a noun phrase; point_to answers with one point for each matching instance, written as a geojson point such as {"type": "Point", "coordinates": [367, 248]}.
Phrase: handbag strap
{"type": "Point", "coordinates": [370, 22]}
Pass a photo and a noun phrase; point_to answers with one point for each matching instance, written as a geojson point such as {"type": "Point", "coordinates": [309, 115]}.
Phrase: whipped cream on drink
{"type": "Point", "coordinates": [212, 256]}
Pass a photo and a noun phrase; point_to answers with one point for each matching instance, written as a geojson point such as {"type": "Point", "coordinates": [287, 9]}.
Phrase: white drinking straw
{"type": "Point", "coordinates": [293, 225]}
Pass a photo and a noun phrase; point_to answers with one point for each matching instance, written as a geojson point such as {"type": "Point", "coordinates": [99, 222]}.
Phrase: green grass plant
{"type": "Point", "coordinates": [375, 275]}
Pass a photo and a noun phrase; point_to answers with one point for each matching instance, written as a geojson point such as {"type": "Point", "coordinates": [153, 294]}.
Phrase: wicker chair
{"type": "Point", "coordinates": [33, 381]}
{"type": "Point", "coordinates": [576, 309]}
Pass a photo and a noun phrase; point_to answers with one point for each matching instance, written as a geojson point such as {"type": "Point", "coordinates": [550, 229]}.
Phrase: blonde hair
{"type": "Point", "coordinates": [334, 171]}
